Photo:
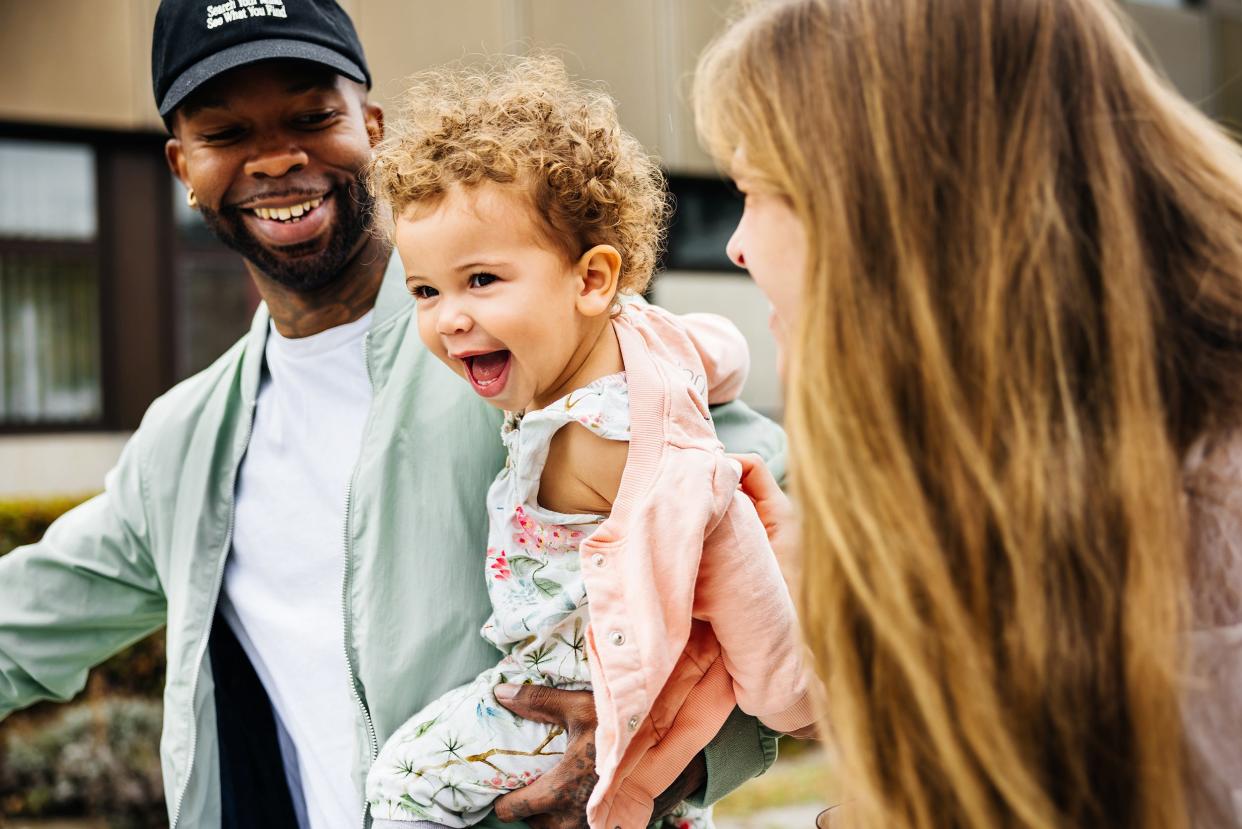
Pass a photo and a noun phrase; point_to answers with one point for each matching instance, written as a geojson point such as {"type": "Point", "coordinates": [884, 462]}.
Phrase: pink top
{"type": "Point", "coordinates": [689, 613]}
{"type": "Point", "coordinates": [1212, 701]}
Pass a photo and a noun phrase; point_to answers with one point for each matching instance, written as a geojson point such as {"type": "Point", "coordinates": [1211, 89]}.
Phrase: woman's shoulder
{"type": "Point", "coordinates": [1212, 706]}
{"type": "Point", "coordinates": [1212, 474]}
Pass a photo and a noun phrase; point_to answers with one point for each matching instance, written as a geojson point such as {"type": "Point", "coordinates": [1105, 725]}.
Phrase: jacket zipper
{"type": "Point", "coordinates": [345, 614]}
{"type": "Point", "coordinates": [202, 645]}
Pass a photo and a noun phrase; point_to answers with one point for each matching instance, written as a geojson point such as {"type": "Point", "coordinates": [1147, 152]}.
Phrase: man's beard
{"type": "Point", "coordinates": [292, 268]}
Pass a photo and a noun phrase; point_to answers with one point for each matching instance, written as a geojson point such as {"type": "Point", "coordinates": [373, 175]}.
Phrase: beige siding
{"type": "Point", "coordinates": [87, 62]}
{"type": "Point", "coordinates": [77, 62]}
{"type": "Point", "coordinates": [401, 37]}
{"type": "Point", "coordinates": [1180, 43]}
{"type": "Point", "coordinates": [1227, 100]}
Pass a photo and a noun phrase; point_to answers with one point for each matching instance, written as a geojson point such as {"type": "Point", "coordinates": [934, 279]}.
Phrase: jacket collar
{"type": "Point", "coordinates": [393, 297]}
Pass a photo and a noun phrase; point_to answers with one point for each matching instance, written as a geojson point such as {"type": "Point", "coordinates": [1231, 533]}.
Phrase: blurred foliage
{"type": "Point", "coordinates": [100, 754]}
{"type": "Point", "coordinates": [98, 758]}
{"type": "Point", "coordinates": [136, 671]}
{"type": "Point", "coordinates": [24, 521]}
{"type": "Point", "coordinates": [802, 774]}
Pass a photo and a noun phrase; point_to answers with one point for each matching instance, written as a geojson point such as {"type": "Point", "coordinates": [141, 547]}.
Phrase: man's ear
{"type": "Point", "coordinates": [175, 156]}
{"type": "Point", "coordinates": [598, 270]}
{"type": "Point", "coordinates": [373, 114]}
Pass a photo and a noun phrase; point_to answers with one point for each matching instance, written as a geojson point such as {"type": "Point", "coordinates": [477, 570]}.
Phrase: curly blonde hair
{"type": "Point", "coordinates": [524, 121]}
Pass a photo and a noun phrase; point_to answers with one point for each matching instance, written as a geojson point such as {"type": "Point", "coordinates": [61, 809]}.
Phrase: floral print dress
{"type": "Point", "coordinates": [446, 765]}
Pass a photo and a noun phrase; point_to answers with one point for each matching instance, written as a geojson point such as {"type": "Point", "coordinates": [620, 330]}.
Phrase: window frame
{"type": "Point", "coordinates": [128, 165]}
{"type": "Point", "coordinates": [680, 184]}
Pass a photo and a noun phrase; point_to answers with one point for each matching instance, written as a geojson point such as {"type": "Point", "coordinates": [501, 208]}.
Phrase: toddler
{"type": "Point", "coordinates": [621, 557]}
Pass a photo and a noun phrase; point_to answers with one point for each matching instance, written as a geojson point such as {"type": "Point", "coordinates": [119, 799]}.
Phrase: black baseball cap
{"type": "Point", "coordinates": [195, 40]}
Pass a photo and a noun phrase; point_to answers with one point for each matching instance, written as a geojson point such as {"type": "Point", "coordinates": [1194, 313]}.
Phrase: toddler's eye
{"type": "Point", "coordinates": [423, 292]}
{"type": "Point", "coordinates": [482, 280]}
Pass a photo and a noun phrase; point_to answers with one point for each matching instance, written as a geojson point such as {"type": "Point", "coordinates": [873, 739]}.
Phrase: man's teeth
{"type": "Point", "coordinates": [286, 214]}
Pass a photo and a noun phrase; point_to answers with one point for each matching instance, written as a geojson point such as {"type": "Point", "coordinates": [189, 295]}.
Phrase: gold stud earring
{"type": "Point", "coordinates": [191, 199]}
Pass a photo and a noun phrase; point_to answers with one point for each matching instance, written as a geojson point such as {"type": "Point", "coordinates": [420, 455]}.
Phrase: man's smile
{"type": "Point", "coordinates": [285, 222]}
{"type": "Point", "coordinates": [290, 213]}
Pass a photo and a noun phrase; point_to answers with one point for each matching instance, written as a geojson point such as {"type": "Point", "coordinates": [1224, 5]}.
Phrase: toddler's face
{"type": "Point", "coordinates": [496, 300]}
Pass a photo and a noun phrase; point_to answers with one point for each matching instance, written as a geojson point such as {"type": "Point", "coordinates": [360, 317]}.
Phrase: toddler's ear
{"type": "Point", "coordinates": [598, 273]}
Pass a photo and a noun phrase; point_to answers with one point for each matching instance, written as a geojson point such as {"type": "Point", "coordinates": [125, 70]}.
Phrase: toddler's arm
{"type": "Point", "coordinates": [724, 352]}
{"type": "Point", "coordinates": [582, 472]}
{"type": "Point", "coordinates": [719, 346]}
{"type": "Point", "coordinates": [742, 593]}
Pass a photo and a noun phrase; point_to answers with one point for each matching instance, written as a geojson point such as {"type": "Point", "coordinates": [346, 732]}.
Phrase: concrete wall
{"type": "Point", "coordinates": [78, 62]}
{"type": "Point", "coordinates": [87, 62]}
{"type": "Point", "coordinates": [732, 295]}
{"type": "Point", "coordinates": [65, 464]}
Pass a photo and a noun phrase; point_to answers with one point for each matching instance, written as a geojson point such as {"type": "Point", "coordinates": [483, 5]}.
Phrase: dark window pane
{"type": "Point", "coordinates": [49, 284]}
{"type": "Point", "coordinates": [214, 306]}
{"type": "Point", "coordinates": [215, 296]}
{"type": "Point", "coordinates": [191, 228]}
{"type": "Point", "coordinates": [47, 190]}
{"type": "Point", "coordinates": [49, 338]}
{"type": "Point", "coordinates": [705, 213]}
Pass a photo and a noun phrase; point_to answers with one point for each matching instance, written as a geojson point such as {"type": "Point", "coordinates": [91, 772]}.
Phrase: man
{"type": "Point", "coordinates": [305, 516]}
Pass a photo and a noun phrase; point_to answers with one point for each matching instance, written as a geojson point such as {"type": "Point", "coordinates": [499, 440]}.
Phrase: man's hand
{"type": "Point", "coordinates": [558, 799]}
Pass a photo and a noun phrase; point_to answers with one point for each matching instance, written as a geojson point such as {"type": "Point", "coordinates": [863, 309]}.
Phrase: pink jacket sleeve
{"type": "Point", "coordinates": [742, 594]}
{"type": "Point", "coordinates": [720, 346]}
{"type": "Point", "coordinates": [724, 352]}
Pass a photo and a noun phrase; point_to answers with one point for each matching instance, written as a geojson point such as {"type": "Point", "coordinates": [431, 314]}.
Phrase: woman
{"type": "Point", "coordinates": [1005, 263]}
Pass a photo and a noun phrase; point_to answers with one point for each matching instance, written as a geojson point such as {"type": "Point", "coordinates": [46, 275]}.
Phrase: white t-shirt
{"type": "Point", "coordinates": [283, 579]}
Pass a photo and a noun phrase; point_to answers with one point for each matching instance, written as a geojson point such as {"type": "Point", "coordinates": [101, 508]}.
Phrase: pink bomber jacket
{"type": "Point", "coordinates": [689, 613]}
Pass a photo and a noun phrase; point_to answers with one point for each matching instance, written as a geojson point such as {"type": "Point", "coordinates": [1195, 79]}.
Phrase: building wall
{"type": "Point", "coordinates": [86, 64]}
{"type": "Point", "coordinates": [59, 464]}
{"type": "Point", "coordinates": [82, 63]}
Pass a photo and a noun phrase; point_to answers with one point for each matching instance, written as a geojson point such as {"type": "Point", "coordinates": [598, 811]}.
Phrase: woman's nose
{"type": "Point", "coordinates": [734, 248]}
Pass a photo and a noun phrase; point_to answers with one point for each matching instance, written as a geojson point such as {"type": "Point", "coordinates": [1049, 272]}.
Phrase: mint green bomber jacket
{"type": "Point", "coordinates": [150, 551]}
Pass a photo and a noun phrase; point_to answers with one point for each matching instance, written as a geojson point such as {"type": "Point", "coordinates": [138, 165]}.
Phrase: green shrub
{"type": "Point", "coordinates": [25, 521]}
{"type": "Point", "coordinates": [136, 671]}
{"type": "Point", "coordinates": [99, 758]}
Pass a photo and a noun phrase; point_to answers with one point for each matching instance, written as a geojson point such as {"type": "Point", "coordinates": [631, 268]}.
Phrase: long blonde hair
{"type": "Point", "coordinates": [1022, 305]}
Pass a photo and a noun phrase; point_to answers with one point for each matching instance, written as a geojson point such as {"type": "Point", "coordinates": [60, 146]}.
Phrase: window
{"type": "Point", "coordinates": [705, 213]}
{"type": "Point", "coordinates": [50, 368]}
{"type": "Point", "coordinates": [215, 296]}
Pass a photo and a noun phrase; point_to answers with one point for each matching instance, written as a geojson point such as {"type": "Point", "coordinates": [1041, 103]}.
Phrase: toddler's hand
{"type": "Point", "coordinates": [776, 511]}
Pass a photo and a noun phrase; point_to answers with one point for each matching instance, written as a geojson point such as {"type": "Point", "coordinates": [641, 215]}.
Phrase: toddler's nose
{"type": "Point", "coordinates": [453, 322]}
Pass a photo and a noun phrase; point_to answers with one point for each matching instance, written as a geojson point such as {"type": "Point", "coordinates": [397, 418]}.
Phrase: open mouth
{"type": "Point", "coordinates": [488, 372]}
{"type": "Point", "coordinates": [291, 214]}
{"type": "Point", "coordinates": [291, 224]}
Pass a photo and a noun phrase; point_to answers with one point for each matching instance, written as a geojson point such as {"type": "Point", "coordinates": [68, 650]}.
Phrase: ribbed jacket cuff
{"type": "Point", "coordinates": [796, 716]}
{"type": "Point", "coordinates": [743, 749]}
